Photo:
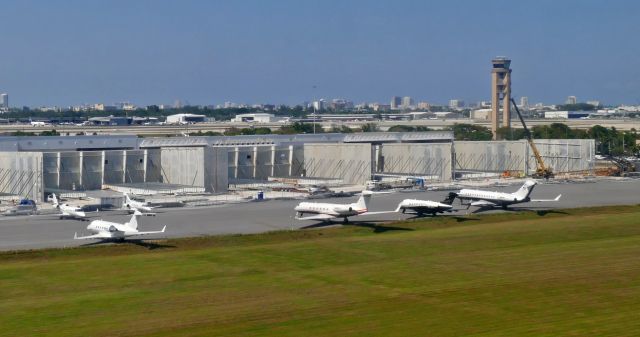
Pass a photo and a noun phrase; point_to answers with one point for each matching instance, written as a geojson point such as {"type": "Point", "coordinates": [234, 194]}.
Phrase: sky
{"type": "Point", "coordinates": [289, 51]}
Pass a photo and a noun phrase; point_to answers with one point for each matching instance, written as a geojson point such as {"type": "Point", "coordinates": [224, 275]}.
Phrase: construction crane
{"type": "Point", "coordinates": [542, 171]}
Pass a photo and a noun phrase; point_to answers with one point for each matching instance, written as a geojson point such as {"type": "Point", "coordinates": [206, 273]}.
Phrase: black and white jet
{"type": "Point", "coordinates": [422, 207]}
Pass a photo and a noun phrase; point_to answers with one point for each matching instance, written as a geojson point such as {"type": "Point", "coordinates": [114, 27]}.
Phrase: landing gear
{"type": "Point", "coordinates": [346, 220]}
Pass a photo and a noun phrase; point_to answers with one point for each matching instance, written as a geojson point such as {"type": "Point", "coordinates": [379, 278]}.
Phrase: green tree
{"type": "Point", "coordinates": [471, 132]}
{"type": "Point", "coordinates": [262, 131]}
{"type": "Point", "coordinates": [370, 127]}
{"type": "Point", "coordinates": [232, 131]}
{"type": "Point", "coordinates": [402, 128]}
{"type": "Point", "coordinates": [341, 129]}
{"type": "Point", "coordinates": [50, 133]}
{"type": "Point", "coordinates": [299, 128]}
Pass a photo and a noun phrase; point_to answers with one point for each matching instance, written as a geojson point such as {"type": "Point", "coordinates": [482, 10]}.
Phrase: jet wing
{"type": "Point", "coordinates": [547, 200]}
{"type": "Point", "coordinates": [146, 233]}
{"type": "Point", "coordinates": [374, 213]}
{"type": "Point", "coordinates": [317, 217]}
{"type": "Point", "coordinates": [94, 236]}
{"type": "Point", "coordinates": [483, 203]}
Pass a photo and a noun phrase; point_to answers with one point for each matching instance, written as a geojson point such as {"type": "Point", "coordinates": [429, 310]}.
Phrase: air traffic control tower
{"type": "Point", "coordinates": [500, 93]}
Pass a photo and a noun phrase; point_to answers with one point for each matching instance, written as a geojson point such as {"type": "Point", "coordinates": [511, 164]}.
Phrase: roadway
{"type": "Point", "coordinates": [158, 130]}
{"type": "Point", "coordinates": [42, 231]}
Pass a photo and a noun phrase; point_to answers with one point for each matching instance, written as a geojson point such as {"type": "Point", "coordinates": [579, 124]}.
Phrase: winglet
{"type": "Point", "coordinates": [399, 207]}
{"type": "Point", "coordinates": [163, 228]}
{"type": "Point", "coordinates": [75, 235]}
{"type": "Point", "coordinates": [558, 197]}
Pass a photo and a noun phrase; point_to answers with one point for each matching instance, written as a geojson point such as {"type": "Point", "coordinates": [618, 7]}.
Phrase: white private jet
{"type": "Point", "coordinates": [107, 230]}
{"type": "Point", "coordinates": [67, 211]}
{"type": "Point", "coordinates": [37, 123]}
{"type": "Point", "coordinates": [420, 207]}
{"type": "Point", "coordinates": [326, 211]}
{"type": "Point", "coordinates": [133, 205]}
{"type": "Point", "coordinates": [483, 199]}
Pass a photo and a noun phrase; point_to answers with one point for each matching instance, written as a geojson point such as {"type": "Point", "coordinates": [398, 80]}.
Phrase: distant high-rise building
{"type": "Point", "coordinates": [524, 102]}
{"type": "Point", "coordinates": [407, 102]}
{"type": "Point", "coordinates": [423, 105]}
{"type": "Point", "coordinates": [456, 103]}
{"type": "Point", "coordinates": [571, 100]}
{"type": "Point", "coordinates": [396, 102]}
{"type": "Point", "coordinates": [318, 105]}
{"type": "Point", "coordinates": [4, 101]}
{"type": "Point", "coordinates": [341, 104]}
{"type": "Point", "coordinates": [500, 94]}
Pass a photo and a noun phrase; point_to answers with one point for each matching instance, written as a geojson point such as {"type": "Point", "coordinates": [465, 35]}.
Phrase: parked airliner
{"type": "Point", "coordinates": [482, 198]}
{"type": "Point", "coordinates": [107, 230]}
{"type": "Point", "coordinates": [67, 211]}
{"type": "Point", "coordinates": [421, 207]}
{"type": "Point", "coordinates": [327, 211]}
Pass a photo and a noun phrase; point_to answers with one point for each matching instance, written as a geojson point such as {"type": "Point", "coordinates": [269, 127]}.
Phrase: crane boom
{"type": "Point", "coordinates": [542, 170]}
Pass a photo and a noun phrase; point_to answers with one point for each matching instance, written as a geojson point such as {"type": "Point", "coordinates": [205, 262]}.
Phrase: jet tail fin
{"type": "Point", "coordinates": [133, 223]}
{"type": "Point", "coordinates": [450, 198]}
{"type": "Point", "coordinates": [363, 201]}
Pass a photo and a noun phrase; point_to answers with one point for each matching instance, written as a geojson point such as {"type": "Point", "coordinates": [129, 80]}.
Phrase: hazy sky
{"type": "Point", "coordinates": [258, 51]}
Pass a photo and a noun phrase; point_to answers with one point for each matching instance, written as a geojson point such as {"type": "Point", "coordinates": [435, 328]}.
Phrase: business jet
{"type": "Point", "coordinates": [484, 199]}
{"type": "Point", "coordinates": [327, 211]}
{"type": "Point", "coordinates": [420, 207]}
{"type": "Point", "coordinates": [107, 230]}
{"type": "Point", "coordinates": [133, 205]}
{"type": "Point", "coordinates": [67, 211]}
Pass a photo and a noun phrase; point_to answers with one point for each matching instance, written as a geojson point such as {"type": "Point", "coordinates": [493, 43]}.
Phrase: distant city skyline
{"type": "Point", "coordinates": [288, 52]}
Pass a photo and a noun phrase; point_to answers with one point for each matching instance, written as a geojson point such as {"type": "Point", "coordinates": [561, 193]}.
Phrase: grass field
{"type": "Point", "coordinates": [566, 273]}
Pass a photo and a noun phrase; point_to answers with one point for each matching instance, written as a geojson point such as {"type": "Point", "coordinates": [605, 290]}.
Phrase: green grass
{"type": "Point", "coordinates": [569, 273]}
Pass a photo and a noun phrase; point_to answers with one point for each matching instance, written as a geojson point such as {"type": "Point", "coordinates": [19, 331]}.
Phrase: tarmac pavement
{"type": "Point", "coordinates": [44, 231]}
